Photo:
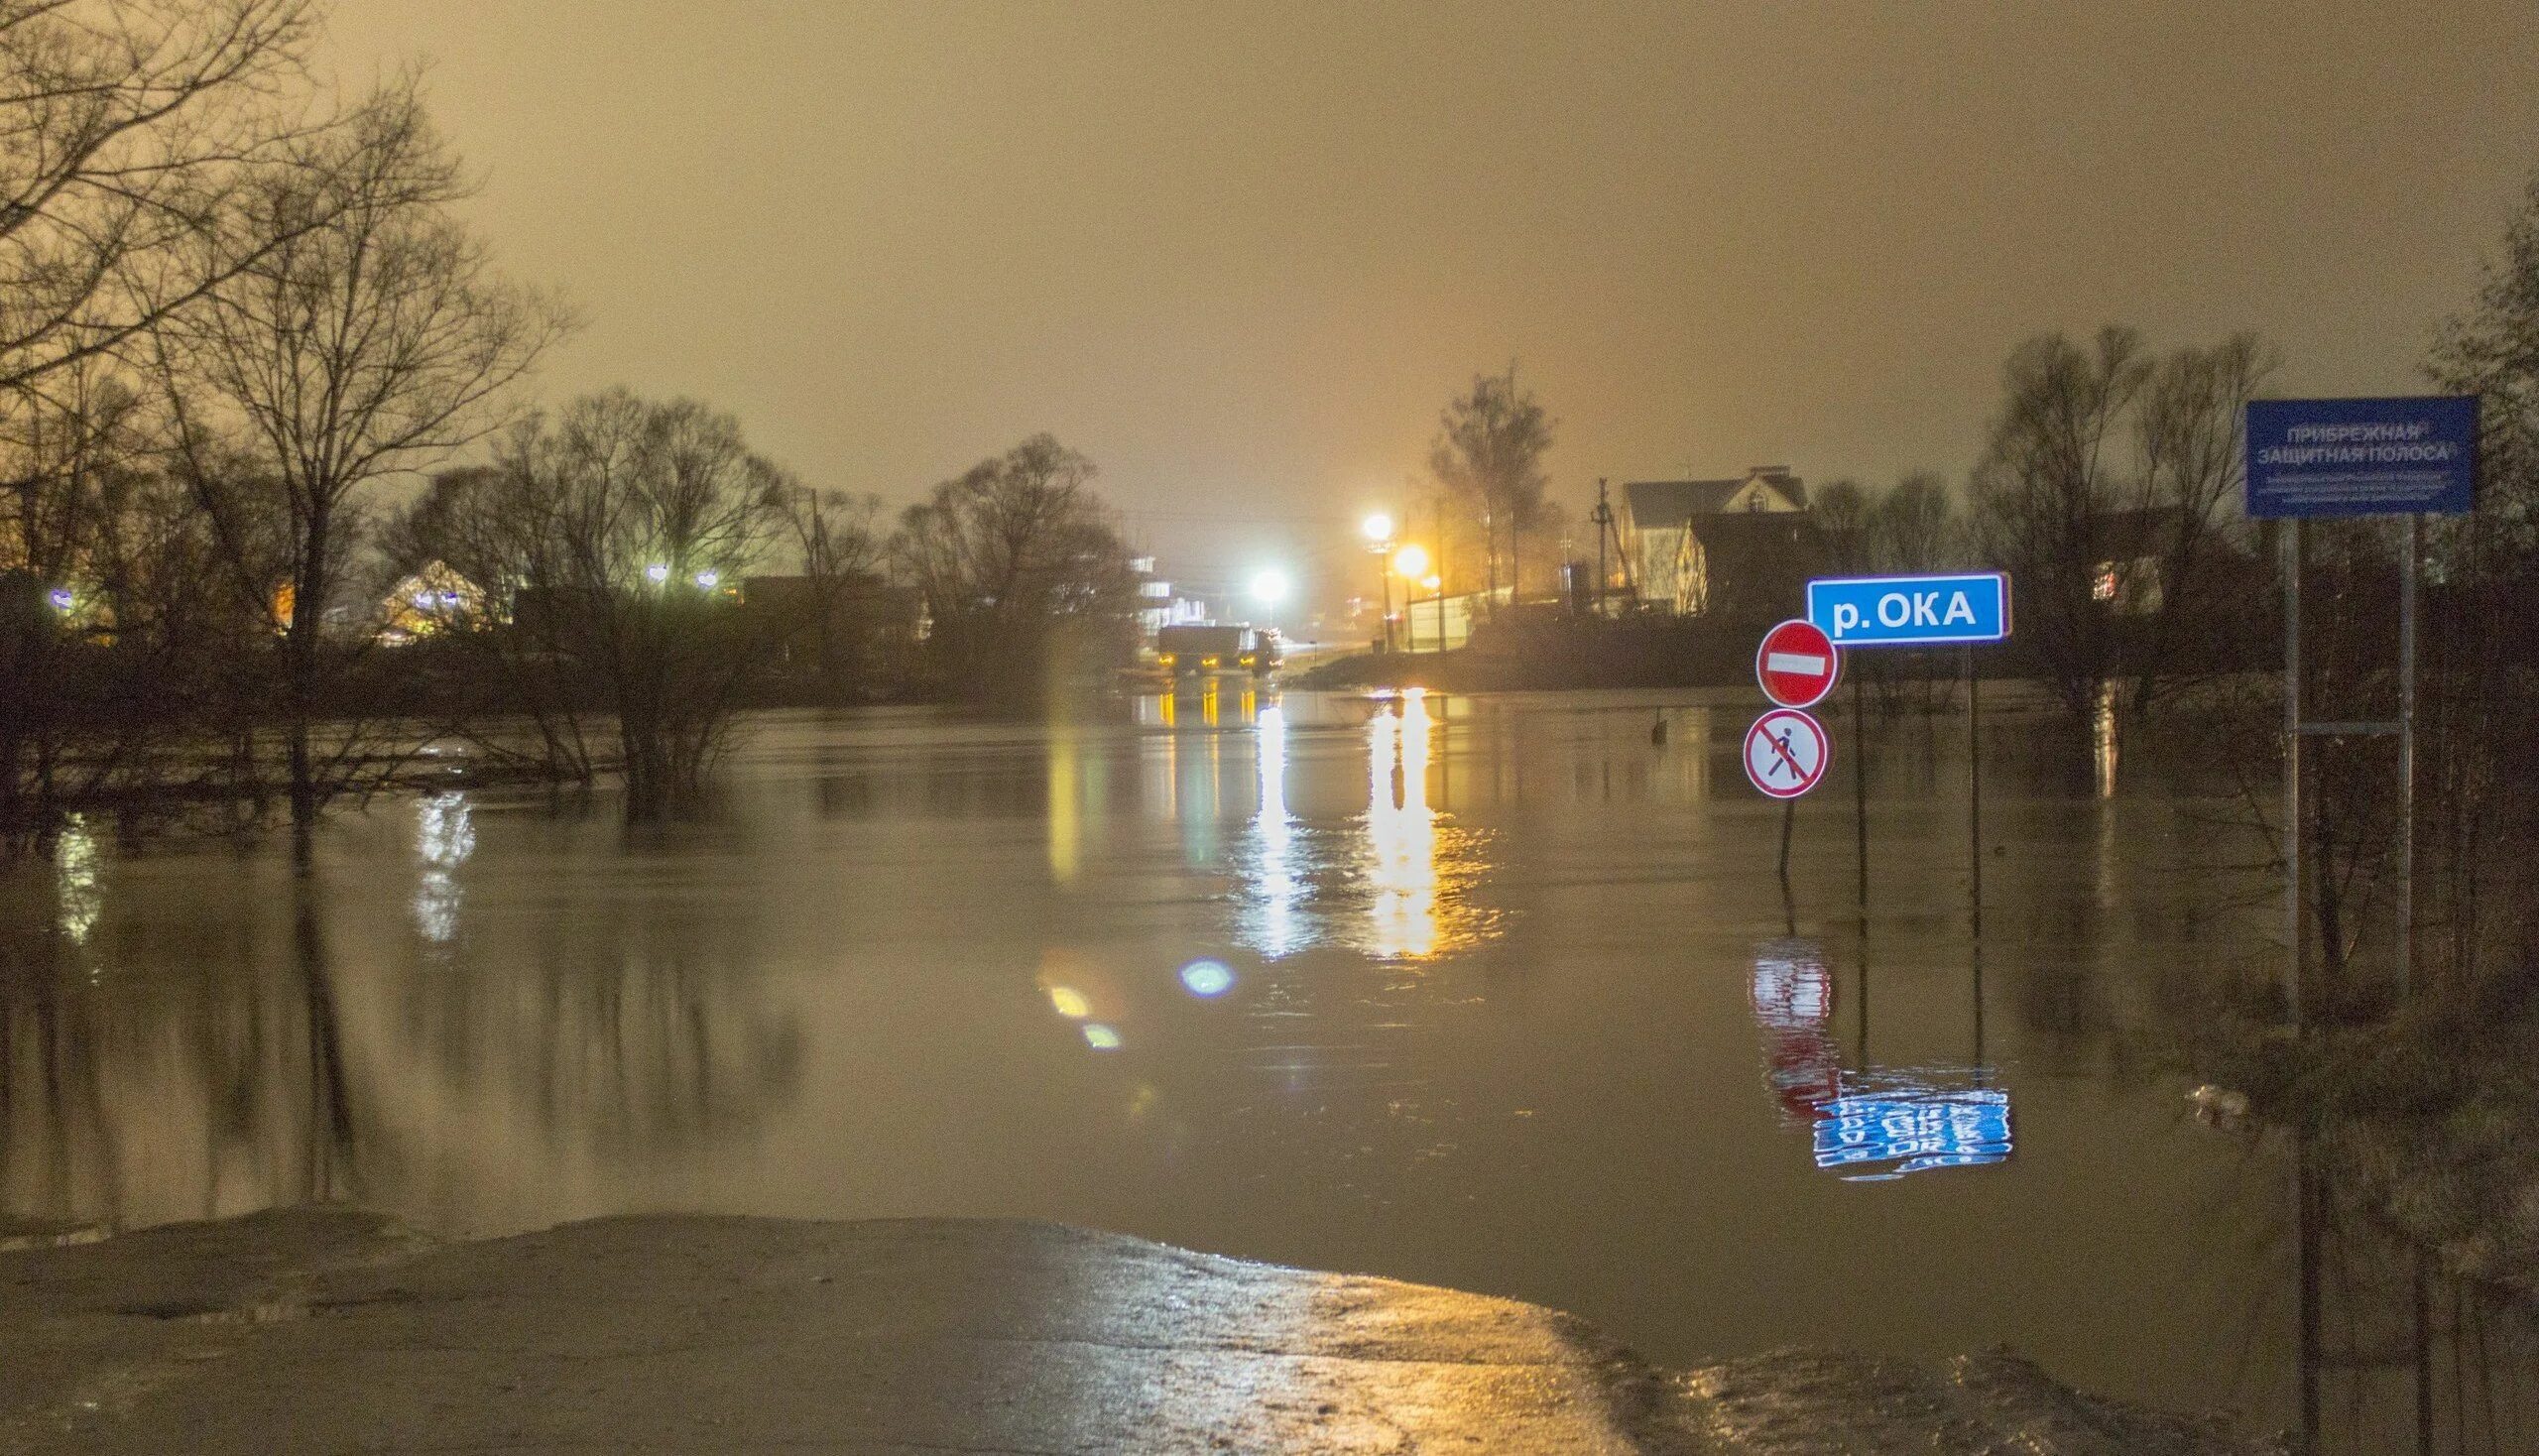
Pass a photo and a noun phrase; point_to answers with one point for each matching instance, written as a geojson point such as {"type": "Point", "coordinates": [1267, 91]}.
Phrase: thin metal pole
{"type": "Point", "coordinates": [2309, 1216]}
{"type": "Point", "coordinates": [1789, 811]}
{"type": "Point", "coordinates": [1604, 514]}
{"type": "Point", "coordinates": [2407, 756]}
{"type": "Point", "coordinates": [2292, 767]}
{"type": "Point", "coordinates": [1384, 590]}
{"type": "Point", "coordinates": [2422, 1309]}
{"type": "Point", "coordinates": [1859, 796]}
{"type": "Point", "coordinates": [1974, 787]}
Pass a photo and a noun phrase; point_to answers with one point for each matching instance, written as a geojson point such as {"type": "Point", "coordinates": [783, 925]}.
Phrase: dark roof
{"type": "Point", "coordinates": [1674, 502]}
{"type": "Point", "coordinates": [2123, 535]}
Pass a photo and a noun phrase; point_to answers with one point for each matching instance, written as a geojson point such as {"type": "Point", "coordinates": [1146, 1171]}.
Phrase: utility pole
{"type": "Point", "coordinates": [1604, 518]}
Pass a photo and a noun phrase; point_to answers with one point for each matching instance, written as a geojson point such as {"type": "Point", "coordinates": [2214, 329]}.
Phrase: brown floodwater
{"type": "Point", "coordinates": [1488, 991]}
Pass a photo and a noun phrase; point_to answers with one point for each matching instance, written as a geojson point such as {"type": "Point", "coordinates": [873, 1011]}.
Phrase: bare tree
{"type": "Point", "coordinates": [2105, 489]}
{"type": "Point", "coordinates": [1842, 510]}
{"type": "Point", "coordinates": [651, 512]}
{"type": "Point", "coordinates": [841, 549]}
{"type": "Point", "coordinates": [1022, 573]}
{"type": "Point", "coordinates": [364, 347]}
{"type": "Point", "coordinates": [1489, 456]}
{"type": "Point", "coordinates": [134, 138]}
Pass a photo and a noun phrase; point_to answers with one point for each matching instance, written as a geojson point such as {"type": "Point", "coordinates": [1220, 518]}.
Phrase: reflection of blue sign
{"type": "Point", "coordinates": [2361, 457]}
{"type": "Point", "coordinates": [1911, 611]}
{"type": "Point", "coordinates": [1912, 1129]}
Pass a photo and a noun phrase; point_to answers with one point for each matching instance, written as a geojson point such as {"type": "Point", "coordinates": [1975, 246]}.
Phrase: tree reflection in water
{"type": "Point", "coordinates": [265, 1073]}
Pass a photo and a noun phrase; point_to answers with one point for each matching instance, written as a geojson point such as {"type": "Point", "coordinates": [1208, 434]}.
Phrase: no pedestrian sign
{"type": "Point", "coordinates": [1796, 665]}
{"type": "Point", "coordinates": [1786, 753]}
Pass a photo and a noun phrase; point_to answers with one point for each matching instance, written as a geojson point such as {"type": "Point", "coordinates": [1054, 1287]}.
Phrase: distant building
{"type": "Point", "coordinates": [2130, 577]}
{"type": "Point", "coordinates": [434, 599]}
{"type": "Point", "coordinates": [1698, 546]}
{"type": "Point", "coordinates": [1159, 606]}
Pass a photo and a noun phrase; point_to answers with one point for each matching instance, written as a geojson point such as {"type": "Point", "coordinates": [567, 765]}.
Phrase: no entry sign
{"type": "Point", "coordinates": [1786, 753]}
{"type": "Point", "coordinates": [1796, 665]}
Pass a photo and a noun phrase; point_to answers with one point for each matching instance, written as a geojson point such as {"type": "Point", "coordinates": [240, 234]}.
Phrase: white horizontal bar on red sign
{"type": "Point", "coordinates": [1793, 663]}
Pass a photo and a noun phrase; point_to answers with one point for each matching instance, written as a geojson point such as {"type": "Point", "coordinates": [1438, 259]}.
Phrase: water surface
{"type": "Point", "coordinates": [1496, 993]}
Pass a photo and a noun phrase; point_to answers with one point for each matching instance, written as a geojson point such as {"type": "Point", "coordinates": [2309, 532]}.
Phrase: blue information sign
{"type": "Point", "coordinates": [2362, 457]}
{"type": "Point", "coordinates": [1911, 611]}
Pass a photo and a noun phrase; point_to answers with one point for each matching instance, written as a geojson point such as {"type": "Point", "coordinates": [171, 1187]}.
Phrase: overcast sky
{"type": "Point", "coordinates": [1242, 254]}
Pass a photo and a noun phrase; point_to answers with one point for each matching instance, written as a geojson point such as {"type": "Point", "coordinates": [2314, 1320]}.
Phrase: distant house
{"type": "Point", "coordinates": [2130, 575]}
{"type": "Point", "coordinates": [836, 628]}
{"type": "Point", "coordinates": [1698, 546]}
{"type": "Point", "coordinates": [431, 600]}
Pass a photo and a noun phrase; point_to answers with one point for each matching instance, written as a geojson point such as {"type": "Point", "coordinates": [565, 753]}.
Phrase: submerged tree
{"type": "Point", "coordinates": [618, 533]}
{"type": "Point", "coordinates": [363, 347]}
{"type": "Point", "coordinates": [842, 550]}
{"type": "Point", "coordinates": [1023, 575]}
{"type": "Point", "coordinates": [2479, 672]}
{"type": "Point", "coordinates": [1488, 458]}
{"type": "Point", "coordinates": [2108, 489]}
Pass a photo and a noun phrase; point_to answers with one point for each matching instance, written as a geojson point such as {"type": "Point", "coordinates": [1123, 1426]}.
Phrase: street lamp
{"type": "Point", "coordinates": [657, 574]}
{"type": "Point", "coordinates": [1378, 529]}
{"type": "Point", "coordinates": [1410, 564]}
{"type": "Point", "coordinates": [1270, 586]}
{"type": "Point", "coordinates": [709, 580]}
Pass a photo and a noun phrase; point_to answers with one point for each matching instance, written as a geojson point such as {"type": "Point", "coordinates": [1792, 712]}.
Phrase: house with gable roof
{"type": "Point", "coordinates": [1699, 546]}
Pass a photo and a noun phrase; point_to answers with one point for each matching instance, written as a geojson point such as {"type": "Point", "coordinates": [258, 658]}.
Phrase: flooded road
{"type": "Point", "coordinates": [1494, 993]}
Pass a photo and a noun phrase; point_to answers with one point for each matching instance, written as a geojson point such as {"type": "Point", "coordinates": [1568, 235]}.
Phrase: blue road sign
{"type": "Point", "coordinates": [2362, 457]}
{"type": "Point", "coordinates": [1911, 611]}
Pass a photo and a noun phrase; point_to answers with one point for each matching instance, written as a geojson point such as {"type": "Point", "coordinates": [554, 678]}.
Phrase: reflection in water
{"type": "Point", "coordinates": [1275, 891]}
{"type": "Point", "coordinates": [493, 1017]}
{"type": "Point", "coordinates": [445, 836]}
{"type": "Point", "coordinates": [1402, 832]}
{"type": "Point", "coordinates": [1421, 868]}
{"type": "Point", "coordinates": [1870, 1124]}
{"type": "Point", "coordinates": [1793, 1001]}
{"type": "Point", "coordinates": [74, 869]}
{"type": "Point", "coordinates": [1066, 805]}
{"type": "Point", "coordinates": [2102, 740]}
{"type": "Point", "coordinates": [1889, 1123]}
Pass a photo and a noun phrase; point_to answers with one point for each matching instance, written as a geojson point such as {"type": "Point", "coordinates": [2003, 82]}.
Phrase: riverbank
{"type": "Point", "coordinates": [329, 1329]}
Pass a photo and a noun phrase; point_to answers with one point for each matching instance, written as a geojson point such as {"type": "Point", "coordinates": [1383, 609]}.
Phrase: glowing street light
{"type": "Point", "coordinates": [1270, 586]}
{"type": "Point", "coordinates": [657, 574]}
{"type": "Point", "coordinates": [1412, 562]}
{"type": "Point", "coordinates": [62, 599]}
{"type": "Point", "coordinates": [709, 580]}
{"type": "Point", "coordinates": [1378, 529]}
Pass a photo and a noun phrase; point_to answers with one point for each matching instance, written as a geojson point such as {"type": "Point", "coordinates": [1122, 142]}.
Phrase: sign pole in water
{"type": "Point", "coordinates": [2409, 457]}
{"type": "Point", "coordinates": [1965, 609]}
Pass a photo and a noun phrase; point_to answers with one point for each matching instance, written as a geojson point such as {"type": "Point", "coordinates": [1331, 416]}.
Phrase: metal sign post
{"type": "Point", "coordinates": [1964, 609]}
{"type": "Point", "coordinates": [2355, 457]}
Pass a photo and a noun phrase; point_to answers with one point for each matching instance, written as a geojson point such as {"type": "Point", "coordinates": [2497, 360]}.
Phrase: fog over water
{"type": "Point", "coordinates": [1493, 993]}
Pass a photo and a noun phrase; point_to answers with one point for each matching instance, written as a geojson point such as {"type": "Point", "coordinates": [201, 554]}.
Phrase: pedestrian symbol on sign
{"type": "Point", "coordinates": [1786, 753]}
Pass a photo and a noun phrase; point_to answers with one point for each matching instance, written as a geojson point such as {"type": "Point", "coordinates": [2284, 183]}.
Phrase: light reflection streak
{"type": "Point", "coordinates": [445, 836]}
{"type": "Point", "coordinates": [1066, 828]}
{"type": "Point", "coordinates": [1274, 898]}
{"type": "Point", "coordinates": [1402, 832]}
{"type": "Point", "coordinates": [77, 897]}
